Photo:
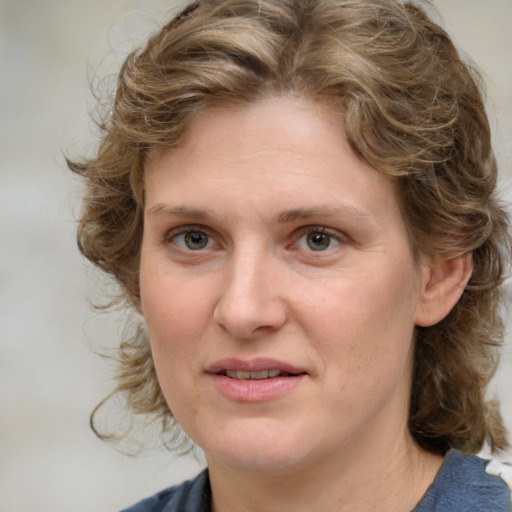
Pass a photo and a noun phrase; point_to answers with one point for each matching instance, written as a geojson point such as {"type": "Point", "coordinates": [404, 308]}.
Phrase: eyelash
{"type": "Point", "coordinates": [320, 230]}
{"type": "Point", "coordinates": [303, 232]}
{"type": "Point", "coordinates": [184, 230]}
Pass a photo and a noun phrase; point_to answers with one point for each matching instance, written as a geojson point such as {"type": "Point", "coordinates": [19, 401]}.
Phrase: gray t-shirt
{"type": "Point", "coordinates": [462, 485]}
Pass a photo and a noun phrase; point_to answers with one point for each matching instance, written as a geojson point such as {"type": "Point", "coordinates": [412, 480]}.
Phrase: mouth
{"type": "Point", "coordinates": [255, 380]}
{"type": "Point", "coordinates": [254, 369]}
{"type": "Point", "coordinates": [257, 375]}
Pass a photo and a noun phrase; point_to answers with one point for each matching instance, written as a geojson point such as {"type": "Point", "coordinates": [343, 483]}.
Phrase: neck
{"type": "Point", "coordinates": [390, 477]}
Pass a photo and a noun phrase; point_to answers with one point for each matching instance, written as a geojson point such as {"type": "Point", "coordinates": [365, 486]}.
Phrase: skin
{"type": "Point", "coordinates": [228, 269]}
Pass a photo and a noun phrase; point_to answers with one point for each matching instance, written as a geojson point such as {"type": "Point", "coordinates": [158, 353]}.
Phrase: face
{"type": "Point", "coordinates": [278, 287]}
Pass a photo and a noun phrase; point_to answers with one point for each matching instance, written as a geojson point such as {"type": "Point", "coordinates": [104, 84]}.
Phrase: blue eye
{"type": "Point", "coordinates": [192, 240]}
{"type": "Point", "coordinates": [317, 241]}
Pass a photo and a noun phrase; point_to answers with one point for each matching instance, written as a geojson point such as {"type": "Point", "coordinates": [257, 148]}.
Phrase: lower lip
{"type": "Point", "coordinates": [254, 390]}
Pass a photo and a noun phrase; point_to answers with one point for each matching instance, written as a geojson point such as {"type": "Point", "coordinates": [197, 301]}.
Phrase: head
{"type": "Point", "coordinates": [410, 108]}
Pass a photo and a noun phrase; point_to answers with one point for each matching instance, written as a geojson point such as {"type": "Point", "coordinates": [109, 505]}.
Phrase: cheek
{"type": "Point", "coordinates": [361, 324]}
{"type": "Point", "coordinates": [175, 316]}
{"type": "Point", "coordinates": [173, 307]}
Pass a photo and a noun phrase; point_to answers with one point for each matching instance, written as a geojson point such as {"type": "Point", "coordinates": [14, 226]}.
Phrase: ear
{"type": "Point", "coordinates": [443, 283]}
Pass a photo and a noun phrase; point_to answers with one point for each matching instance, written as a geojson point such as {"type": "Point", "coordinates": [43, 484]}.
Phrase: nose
{"type": "Point", "coordinates": [251, 302]}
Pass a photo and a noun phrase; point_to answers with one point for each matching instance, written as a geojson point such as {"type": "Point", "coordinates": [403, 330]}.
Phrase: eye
{"type": "Point", "coordinates": [192, 240]}
{"type": "Point", "coordinates": [318, 239]}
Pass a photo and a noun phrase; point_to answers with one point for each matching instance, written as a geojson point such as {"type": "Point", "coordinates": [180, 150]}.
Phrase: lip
{"type": "Point", "coordinates": [253, 365]}
{"type": "Point", "coordinates": [252, 390]}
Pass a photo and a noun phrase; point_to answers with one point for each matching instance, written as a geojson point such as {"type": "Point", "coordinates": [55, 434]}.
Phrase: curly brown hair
{"type": "Point", "coordinates": [412, 109]}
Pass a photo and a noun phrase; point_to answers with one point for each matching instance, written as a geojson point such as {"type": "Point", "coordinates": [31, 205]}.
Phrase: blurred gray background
{"type": "Point", "coordinates": [50, 377]}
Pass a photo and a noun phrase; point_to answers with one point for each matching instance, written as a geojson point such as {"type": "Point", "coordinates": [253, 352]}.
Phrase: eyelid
{"type": "Point", "coordinates": [337, 235]}
{"type": "Point", "coordinates": [184, 228]}
{"type": "Point", "coordinates": [187, 228]}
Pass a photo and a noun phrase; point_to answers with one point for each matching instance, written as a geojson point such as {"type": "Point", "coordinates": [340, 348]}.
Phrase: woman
{"type": "Point", "coordinates": [299, 199]}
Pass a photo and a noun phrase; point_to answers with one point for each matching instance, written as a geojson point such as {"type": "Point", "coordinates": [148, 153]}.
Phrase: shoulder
{"type": "Point", "coordinates": [501, 469]}
{"type": "Point", "coordinates": [190, 496]}
{"type": "Point", "coordinates": [468, 483]}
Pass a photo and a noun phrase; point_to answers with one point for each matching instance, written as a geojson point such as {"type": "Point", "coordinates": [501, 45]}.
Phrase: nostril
{"type": "Point", "coordinates": [246, 321]}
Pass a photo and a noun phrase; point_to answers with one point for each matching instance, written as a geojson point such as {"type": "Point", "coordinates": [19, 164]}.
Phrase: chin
{"type": "Point", "coordinates": [256, 447]}
{"type": "Point", "coordinates": [257, 460]}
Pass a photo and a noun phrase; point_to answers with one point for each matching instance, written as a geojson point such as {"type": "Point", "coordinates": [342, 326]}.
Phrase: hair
{"type": "Point", "coordinates": [412, 110]}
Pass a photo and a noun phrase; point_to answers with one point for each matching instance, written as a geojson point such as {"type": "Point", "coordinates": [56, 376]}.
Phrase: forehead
{"type": "Point", "coordinates": [283, 128]}
{"type": "Point", "coordinates": [283, 120]}
{"type": "Point", "coordinates": [281, 153]}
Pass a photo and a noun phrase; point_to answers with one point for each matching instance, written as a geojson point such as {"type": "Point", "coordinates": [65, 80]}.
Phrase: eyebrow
{"type": "Point", "coordinates": [320, 211]}
{"type": "Point", "coordinates": [180, 211]}
{"type": "Point", "coordinates": [284, 217]}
